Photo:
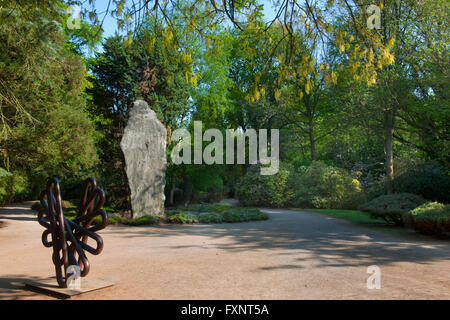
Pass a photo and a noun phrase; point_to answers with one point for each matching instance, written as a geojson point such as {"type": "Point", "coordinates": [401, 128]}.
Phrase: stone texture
{"type": "Point", "coordinates": [144, 148]}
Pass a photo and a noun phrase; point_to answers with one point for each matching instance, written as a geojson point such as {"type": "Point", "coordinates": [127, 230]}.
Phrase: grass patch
{"type": "Point", "coordinates": [354, 216]}
{"type": "Point", "coordinates": [360, 218]}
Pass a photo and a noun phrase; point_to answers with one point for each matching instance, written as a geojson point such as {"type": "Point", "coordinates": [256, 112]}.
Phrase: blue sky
{"type": "Point", "coordinates": [110, 25]}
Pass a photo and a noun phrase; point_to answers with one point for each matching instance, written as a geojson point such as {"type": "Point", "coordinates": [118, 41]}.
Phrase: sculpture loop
{"type": "Point", "coordinates": [69, 238]}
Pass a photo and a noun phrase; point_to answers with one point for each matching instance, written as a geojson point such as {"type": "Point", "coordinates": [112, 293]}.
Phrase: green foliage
{"type": "Point", "coordinates": [313, 186]}
{"type": "Point", "coordinates": [13, 186]}
{"type": "Point", "coordinates": [431, 218]}
{"type": "Point", "coordinates": [215, 213]}
{"type": "Point", "coordinates": [275, 190]}
{"type": "Point", "coordinates": [44, 130]}
{"type": "Point", "coordinates": [210, 217]}
{"type": "Point", "coordinates": [115, 219]}
{"type": "Point", "coordinates": [182, 217]}
{"type": "Point", "coordinates": [392, 207]}
{"type": "Point", "coordinates": [321, 186]}
{"type": "Point", "coordinates": [425, 178]}
{"type": "Point", "coordinates": [205, 207]}
{"type": "Point", "coordinates": [351, 215]}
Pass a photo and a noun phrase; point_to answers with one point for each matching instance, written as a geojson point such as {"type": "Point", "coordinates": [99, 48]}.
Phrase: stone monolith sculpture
{"type": "Point", "coordinates": [144, 147]}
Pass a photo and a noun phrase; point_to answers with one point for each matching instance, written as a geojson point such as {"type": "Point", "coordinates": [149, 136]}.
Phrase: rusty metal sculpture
{"type": "Point", "coordinates": [69, 237]}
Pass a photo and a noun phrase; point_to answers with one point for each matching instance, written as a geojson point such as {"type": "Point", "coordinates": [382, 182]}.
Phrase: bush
{"type": "Point", "coordinates": [13, 186]}
{"type": "Point", "coordinates": [315, 186]}
{"type": "Point", "coordinates": [392, 207]}
{"type": "Point", "coordinates": [179, 216]}
{"type": "Point", "coordinates": [431, 218]}
{"type": "Point", "coordinates": [325, 187]}
{"type": "Point", "coordinates": [425, 178]}
{"type": "Point", "coordinates": [275, 190]}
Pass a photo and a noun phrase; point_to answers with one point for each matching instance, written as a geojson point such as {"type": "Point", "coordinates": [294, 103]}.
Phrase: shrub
{"type": "Point", "coordinates": [425, 178]}
{"type": "Point", "coordinates": [315, 186]}
{"type": "Point", "coordinates": [321, 186]}
{"type": "Point", "coordinates": [431, 218]}
{"type": "Point", "coordinates": [179, 216]}
{"type": "Point", "coordinates": [14, 186]}
{"type": "Point", "coordinates": [275, 190]}
{"type": "Point", "coordinates": [392, 207]}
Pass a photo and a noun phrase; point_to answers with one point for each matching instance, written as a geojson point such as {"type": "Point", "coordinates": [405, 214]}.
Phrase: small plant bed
{"type": "Point", "coordinates": [392, 208]}
{"type": "Point", "coordinates": [432, 218]}
{"type": "Point", "coordinates": [71, 211]}
{"type": "Point", "coordinates": [203, 213]}
{"type": "Point", "coordinates": [214, 213]}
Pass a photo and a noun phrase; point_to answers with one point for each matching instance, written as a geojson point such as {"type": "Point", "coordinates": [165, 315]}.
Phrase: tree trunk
{"type": "Point", "coordinates": [312, 142]}
{"type": "Point", "coordinates": [172, 193]}
{"type": "Point", "coordinates": [389, 136]}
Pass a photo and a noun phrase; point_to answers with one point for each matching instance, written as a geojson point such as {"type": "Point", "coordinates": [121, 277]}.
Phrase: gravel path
{"type": "Point", "coordinates": [294, 255]}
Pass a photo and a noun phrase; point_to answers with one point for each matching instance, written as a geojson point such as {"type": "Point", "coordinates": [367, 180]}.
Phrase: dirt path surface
{"type": "Point", "coordinates": [294, 255]}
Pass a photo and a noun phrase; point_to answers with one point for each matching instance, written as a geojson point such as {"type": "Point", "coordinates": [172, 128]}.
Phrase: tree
{"type": "Point", "coordinates": [149, 68]}
{"type": "Point", "coordinates": [45, 131]}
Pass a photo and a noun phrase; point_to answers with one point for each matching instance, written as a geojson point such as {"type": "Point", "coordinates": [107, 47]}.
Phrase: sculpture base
{"type": "Point", "coordinates": [50, 287]}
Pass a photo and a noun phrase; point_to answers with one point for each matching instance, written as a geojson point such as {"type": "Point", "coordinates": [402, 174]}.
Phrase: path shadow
{"type": "Point", "coordinates": [331, 242]}
{"type": "Point", "coordinates": [19, 212]}
{"type": "Point", "coordinates": [13, 287]}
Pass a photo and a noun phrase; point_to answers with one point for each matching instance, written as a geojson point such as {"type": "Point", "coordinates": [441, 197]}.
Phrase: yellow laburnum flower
{"type": "Point", "coordinates": [334, 77]}
{"type": "Point", "coordinates": [304, 72]}
{"type": "Point", "coordinates": [307, 86]}
{"type": "Point", "coordinates": [372, 79]}
{"type": "Point", "coordinates": [379, 64]}
{"type": "Point", "coordinates": [256, 94]}
{"type": "Point", "coordinates": [194, 81]}
{"type": "Point", "coordinates": [370, 56]}
{"type": "Point", "coordinates": [386, 57]}
{"type": "Point", "coordinates": [277, 94]}
{"type": "Point", "coordinates": [151, 44]}
{"type": "Point", "coordinates": [390, 42]}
